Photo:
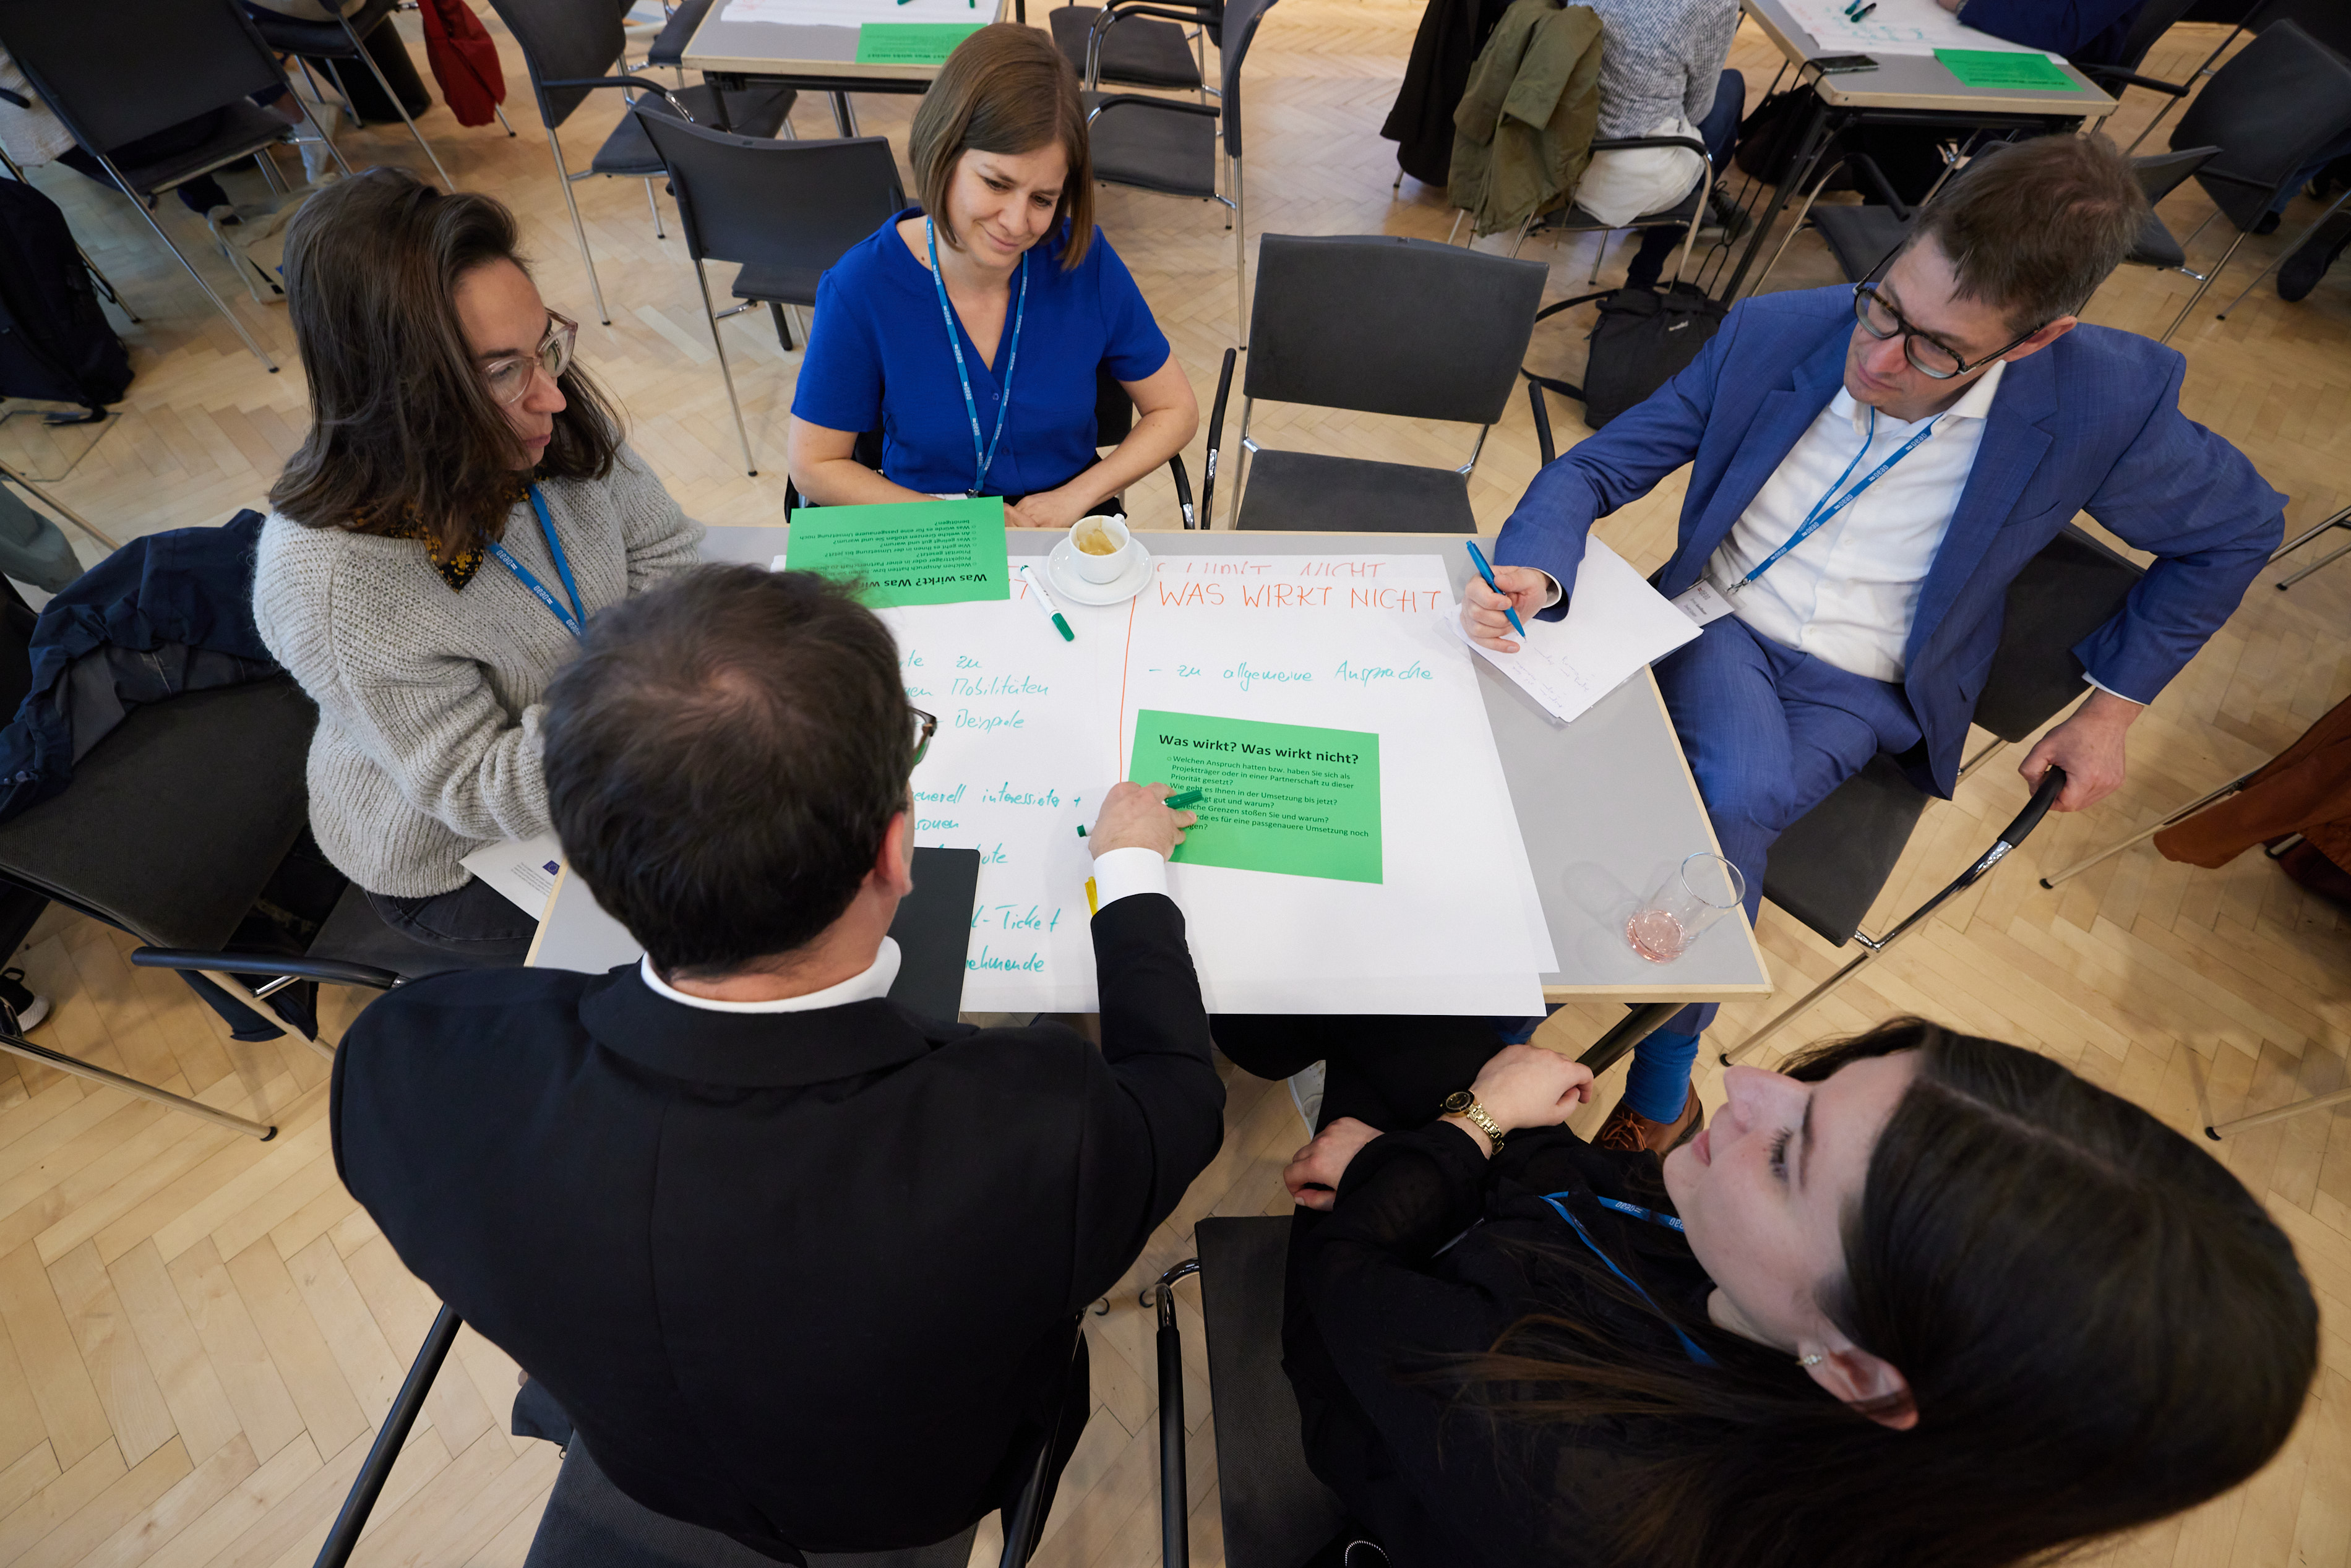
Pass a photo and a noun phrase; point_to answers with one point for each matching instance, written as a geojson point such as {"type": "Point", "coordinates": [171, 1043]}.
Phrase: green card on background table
{"type": "Point", "coordinates": [2006, 67]}
{"type": "Point", "coordinates": [1285, 798]}
{"type": "Point", "coordinates": [911, 43]}
{"type": "Point", "coordinates": [916, 552]}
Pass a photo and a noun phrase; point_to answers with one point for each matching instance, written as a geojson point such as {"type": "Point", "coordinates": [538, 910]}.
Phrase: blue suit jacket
{"type": "Point", "coordinates": [2090, 423]}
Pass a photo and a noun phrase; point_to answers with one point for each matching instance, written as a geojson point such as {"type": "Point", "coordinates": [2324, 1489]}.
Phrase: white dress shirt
{"type": "Point", "coordinates": [1118, 874]}
{"type": "Point", "coordinates": [1847, 594]}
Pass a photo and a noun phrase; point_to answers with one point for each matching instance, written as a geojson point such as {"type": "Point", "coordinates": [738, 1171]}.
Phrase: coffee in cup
{"type": "Point", "coordinates": [1102, 548]}
{"type": "Point", "coordinates": [1096, 540]}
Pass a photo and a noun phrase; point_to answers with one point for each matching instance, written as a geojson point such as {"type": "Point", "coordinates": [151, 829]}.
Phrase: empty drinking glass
{"type": "Point", "coordinates": [1692, 896]}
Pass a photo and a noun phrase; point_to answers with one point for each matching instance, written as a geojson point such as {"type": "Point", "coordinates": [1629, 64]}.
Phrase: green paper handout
{"type": "Point", "coordinates": [2006, 69]}
{"type": "Point", "coordinates": [1283, 798]}
{"type": "Point", "coordinates": [910, 43]}
{"type": "Point", "coordinates": [916, 552]}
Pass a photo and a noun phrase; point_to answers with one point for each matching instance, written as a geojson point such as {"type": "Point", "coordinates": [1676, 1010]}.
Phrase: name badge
{"type": "Point", "coordinates": [1702, 602]}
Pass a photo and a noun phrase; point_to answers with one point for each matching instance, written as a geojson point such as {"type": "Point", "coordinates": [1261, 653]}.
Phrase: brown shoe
{"type": "Point", "coordinates": [1628, 1130]}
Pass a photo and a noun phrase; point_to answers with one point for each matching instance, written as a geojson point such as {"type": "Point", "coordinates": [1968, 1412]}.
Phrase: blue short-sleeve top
{"type": "Point", "coordinates": [878, 355]}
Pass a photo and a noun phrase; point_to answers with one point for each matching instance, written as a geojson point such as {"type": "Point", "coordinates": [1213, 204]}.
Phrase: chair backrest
{"type": "Point", "coordinates": [2155, 19]}
{"type": "Point", "coordinates": [1386, 325]}
{"type": "Point", "coordinates": [786, 204]}
{"type": "Point", "coordinates": [2282, 100]}
{"type": "Point", "coordinates": [1232, 35]}
{"type": "Point", "coordinates": [2160, 173]}
{"type": "Point", "coordinates": [1275, 1511]}
{"type": "Point", "coordinates": [2327, 21]}
{"type": "Point", "coordinates": [564, 40]}
{"type": "Point", "coordinates": [116, 71]}
{"type": "Point", "coordinates": [2070, 590]}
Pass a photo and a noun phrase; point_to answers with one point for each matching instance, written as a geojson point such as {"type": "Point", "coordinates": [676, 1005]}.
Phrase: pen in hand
{"type": "Point", "coordinates": [1478, 560]}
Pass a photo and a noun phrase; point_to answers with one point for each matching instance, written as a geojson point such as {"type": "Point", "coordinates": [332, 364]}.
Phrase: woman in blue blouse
{"type": "Point", "coordinates": [971, 335]}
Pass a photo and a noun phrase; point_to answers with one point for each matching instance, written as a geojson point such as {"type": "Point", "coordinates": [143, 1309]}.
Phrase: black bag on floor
{"type": "Point", "coordinates": [1644, 337]}
{"type": "Point", "coordinates": [55, 343]}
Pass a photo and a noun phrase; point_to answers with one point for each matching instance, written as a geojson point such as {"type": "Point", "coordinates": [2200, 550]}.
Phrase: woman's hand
{"type": "Point", "coordinates": [1047, 509]}
{"type": "Point", "coordinates": [1527, 1086]}
{"type": "Point", "coordinates": [1313, 1172]}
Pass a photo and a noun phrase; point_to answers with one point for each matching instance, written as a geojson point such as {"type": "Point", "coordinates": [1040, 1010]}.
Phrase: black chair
{"type": "Point", "coordinates": [1167, 145]}
{"type": "Point", "coordinates": [1830, 864]}
{"type": "Point", "coordinates": [2155, 18]}
{"type": "Point", "coordinates": [569, 46]}
{"type": "Point", "coordinates": [342, 39]}
{"type": "Point", "coordinates": [1114, 419]}
{"type": "Point", "coordinates": [786, 210]}
{"type": "Point", "coordinates": [2283, 99]}
{"type": "Point", "coordinates": [1150, 49]}
{"type": "Point", "coordinates": [1384, 325]}
{"type": "Point", "coordinates": [118, 73]}
{"type": "Point", "coordinates": [591, 1523]}
{"type": "Point", "coordinates": [1276, 1514]}
{"type": "Point", "coordinates": [1690, 212]}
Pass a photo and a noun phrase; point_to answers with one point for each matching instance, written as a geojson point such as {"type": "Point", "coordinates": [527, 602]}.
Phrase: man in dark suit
{"type": "Point", "coordinates": [799, 1265]}
{"type": "Point", "coordinates": [1870, 468]}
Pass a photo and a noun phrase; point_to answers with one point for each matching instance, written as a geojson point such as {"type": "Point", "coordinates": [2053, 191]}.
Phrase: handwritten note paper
{"type": "Point", "coordinates": [1289, 798]}
{"type": "Point", "coordinates": [1615, 624]}
{"type": "Point", "coordinates": [920, 552]}
{"type": "Point", "coordinates": [522, 872]}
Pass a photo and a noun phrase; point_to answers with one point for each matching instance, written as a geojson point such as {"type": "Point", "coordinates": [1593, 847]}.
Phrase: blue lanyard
{"type": "Point", "coordinates": [1823, 510]}
{"type": "Point", "coordinates": [578, 613]}
{"type": "Point", "coordinates": [1690, 1347]}
{"type": "Point", "coordinates": [985, 458]}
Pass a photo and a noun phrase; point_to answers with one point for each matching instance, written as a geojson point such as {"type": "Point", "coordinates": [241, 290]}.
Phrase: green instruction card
{"type": "Point", "coordinates": [919, 553]}
{"type": "Point", "coordinates": [910, 43]}
{"type": "Point", "coordinates": [1283, 798]}
{"type": "Point", "coordinates": [2004, 67]}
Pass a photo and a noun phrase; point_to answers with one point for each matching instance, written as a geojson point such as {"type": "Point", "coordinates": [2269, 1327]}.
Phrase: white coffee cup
{"type": "Point", "coordinates": [1100, 568]}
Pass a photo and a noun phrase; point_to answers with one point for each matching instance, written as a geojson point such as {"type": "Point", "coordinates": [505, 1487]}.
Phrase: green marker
{"type": "Point", "coordinates": [1082, 833]}
{"type": "Point", "coordinates": [1045, 601]}
{"type": "Point", "coordinates": [1188, 797]}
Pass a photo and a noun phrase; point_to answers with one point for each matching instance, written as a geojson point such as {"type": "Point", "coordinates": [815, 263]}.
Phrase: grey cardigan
{"type": "Point", "coordinates": [429, 699]}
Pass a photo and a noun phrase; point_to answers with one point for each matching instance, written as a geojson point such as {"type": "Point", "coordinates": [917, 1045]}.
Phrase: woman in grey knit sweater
{"type": "Point", "coordinates": [462, 503]}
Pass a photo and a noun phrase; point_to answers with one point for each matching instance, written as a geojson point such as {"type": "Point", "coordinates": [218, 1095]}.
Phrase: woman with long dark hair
{"type": "Point", "coordinates": [462, 505]}
{"type": "Point", "coordinates": [1923, 1299]}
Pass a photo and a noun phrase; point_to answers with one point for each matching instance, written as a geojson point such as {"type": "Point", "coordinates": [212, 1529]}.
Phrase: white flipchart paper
{"type": "Point", "coordinates": [1615, 625]}
{"type": "Point", "coordinates": [1893, 27]}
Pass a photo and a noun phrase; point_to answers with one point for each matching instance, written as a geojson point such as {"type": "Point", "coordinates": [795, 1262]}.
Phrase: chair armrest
{"type": "Point", "coordinates": [335, 971]}
{"type": "Point", "coordinates": [2132, 78]}
{"type": "Point", "coordinates": [638, 84]}
{"type": "Point", "coordinates": [1216, 440]}
{"type": "Point", "coordinates": [377, 1469]}
{"type": "Point", "coordinates": [1632, 143]}
{"type": "Point", "coordinates": [17, 99]}
{"type": "Point", "coordinates": [1175, 1492]}
{"type": "Point", "coordinates": [2044, 796]}
{"type": "Point", "coordinates": [1166, 105]}
{"type": "Point", "coordinates": [668, 48]}
{"type": "Point", "coordinates": [1866, 167]}
{"type": "Point", "coordinates": [1183, 491]}
{"type": "Point", "coordinates": [1542, 421]}
{"type": "Point", "coordinates": [1118, 10]}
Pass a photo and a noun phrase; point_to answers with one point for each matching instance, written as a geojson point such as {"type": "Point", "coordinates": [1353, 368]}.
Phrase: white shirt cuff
{"type": "Point", "coordinates": [1121, 873]}
{"type": "Point", "coordinates": [2109, 690]}
{"type": "Point", "coordinates": [1553, 595]}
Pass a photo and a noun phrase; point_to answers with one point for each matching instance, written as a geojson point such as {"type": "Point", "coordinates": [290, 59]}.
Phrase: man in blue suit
{"type": "Point", "coordinates": [1870, 468]}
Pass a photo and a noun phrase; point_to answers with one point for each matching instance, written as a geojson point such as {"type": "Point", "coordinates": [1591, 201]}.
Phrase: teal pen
{"type": "Point", "coordinates": [1188, 797]}
{"type": "Point", "coordinates": [1478, 560]}
{"type": "Point", "coordinates": [1045, 601]}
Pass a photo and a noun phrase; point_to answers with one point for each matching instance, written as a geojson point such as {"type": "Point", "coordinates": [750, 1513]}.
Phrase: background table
{"type": "Point", "coordinates": [733, 54]}
{"type": "Point", "coordinates": [1904, 89]}
{"type": "Point", "coordinates": [1606, 805]}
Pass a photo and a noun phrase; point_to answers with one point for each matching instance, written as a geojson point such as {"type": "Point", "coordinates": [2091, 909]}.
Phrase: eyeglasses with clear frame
{"type": "Point", "coordinates": [510, 380]}
{"type": "Point", "coordinates": [1880, 319]}
{"type": "Point", "coordinates": [925, 727]}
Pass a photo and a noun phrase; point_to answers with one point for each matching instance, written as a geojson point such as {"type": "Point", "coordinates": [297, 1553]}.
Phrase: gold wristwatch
{"type": "Point", "coordinates": [1461, 1103]}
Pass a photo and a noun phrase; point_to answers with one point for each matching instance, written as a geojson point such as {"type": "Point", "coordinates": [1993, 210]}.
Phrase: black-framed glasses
{"type": "Point", "coordinates": [1927, 355]}
{"type": "Point", "coordinates": [508, 380]}
{"type": "Point", "coordinates": [925, 727]}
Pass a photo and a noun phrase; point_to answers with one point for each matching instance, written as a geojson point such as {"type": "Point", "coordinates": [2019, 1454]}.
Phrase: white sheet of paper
{"type": "Point", "coordinates": [522, 871]}
{"type": "Point", "coordinates": [1616, 624]}
{"type": "Point", "coordinates": [1033, 731]}
{"type": "Point", "coordinates": [1895, 27]}
{"type": "Point", "coordinates": [855, 13]}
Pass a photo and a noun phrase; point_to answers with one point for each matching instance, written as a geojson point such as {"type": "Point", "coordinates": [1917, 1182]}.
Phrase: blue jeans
{"type": "Point", "coordinates": [1719, 130]}
{"type": "Point", "coordinates": [1769, 732]}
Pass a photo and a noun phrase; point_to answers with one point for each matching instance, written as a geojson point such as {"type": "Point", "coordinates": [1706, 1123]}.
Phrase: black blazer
{"type": "Point", "coordinates": [805, 1277]}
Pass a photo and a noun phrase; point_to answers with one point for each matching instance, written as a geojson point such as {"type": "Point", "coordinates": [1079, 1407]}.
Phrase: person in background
{"type": "Point", "coordinates": [969, 329]}
{"type": "Point", "coordinates": [461, 505]}
{"type": "Point", "coordinates": [2087, 32]}
{"type": "Point", "coordinates": [1661, 74]}
{"type": "Point", "coordinates": [799, 1265]}
{"type": "Point", "coordinates": [1874, 464]}
{"type": "Point", "coordinates": [1923, 1298]}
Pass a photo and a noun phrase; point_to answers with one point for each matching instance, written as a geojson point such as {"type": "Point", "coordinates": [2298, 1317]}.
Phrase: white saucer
{"type": "Point", "coordinates": [1062, 568]}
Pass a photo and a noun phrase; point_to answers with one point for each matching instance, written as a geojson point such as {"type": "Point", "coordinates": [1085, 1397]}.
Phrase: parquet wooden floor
{"type": "Point", "coordinates": [201, 1331]}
